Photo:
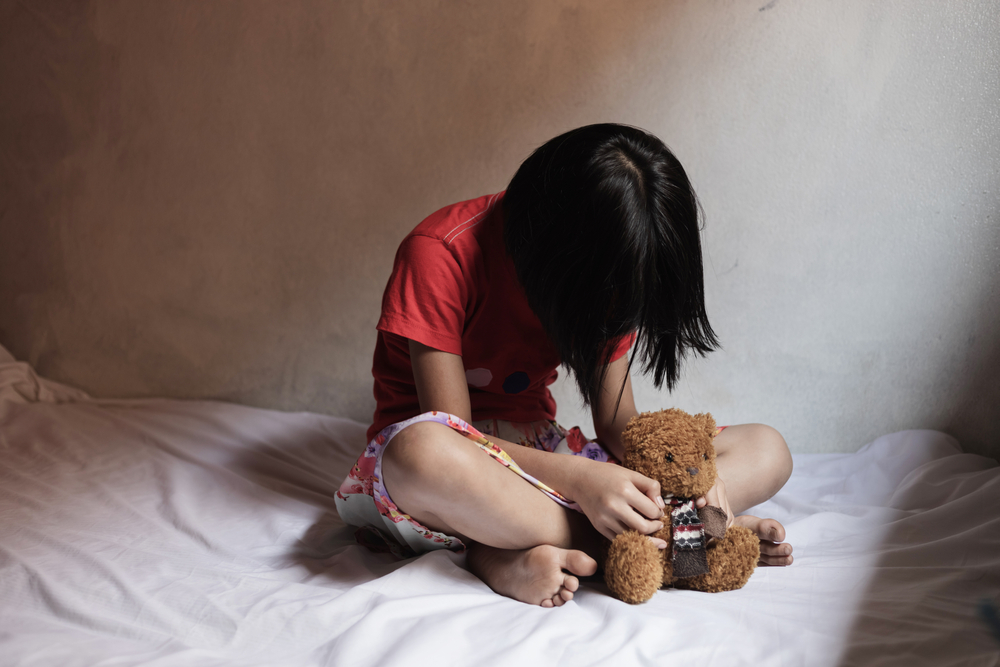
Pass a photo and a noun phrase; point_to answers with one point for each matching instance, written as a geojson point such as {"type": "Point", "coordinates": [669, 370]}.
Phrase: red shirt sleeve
{"type": "Point", "coordinates": [427, 295]}
{"type": "Point", "coordinates": [622, 346]}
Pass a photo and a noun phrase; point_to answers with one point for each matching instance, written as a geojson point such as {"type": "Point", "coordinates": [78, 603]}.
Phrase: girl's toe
{"type": "Point", "coordinates": [771, 550]}
{"type": "Point", "coordinates": [775, 561]}
{"type": "Point", "coordinates": [772, 530]}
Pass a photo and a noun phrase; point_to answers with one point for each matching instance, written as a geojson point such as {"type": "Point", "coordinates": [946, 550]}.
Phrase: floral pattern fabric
{"type": "Point", "coordinates": [363, 501]}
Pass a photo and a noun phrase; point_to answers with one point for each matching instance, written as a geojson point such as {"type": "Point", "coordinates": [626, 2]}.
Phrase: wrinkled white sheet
{"type": "Point", "coordinates": [165, 532]}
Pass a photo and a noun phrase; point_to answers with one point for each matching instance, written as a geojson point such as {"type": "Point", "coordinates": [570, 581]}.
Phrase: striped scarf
{"type": "Point", "coordinates": [689, 555]}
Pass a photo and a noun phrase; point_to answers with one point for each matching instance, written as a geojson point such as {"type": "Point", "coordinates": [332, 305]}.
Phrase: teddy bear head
{"type": "Point", "coordinates": [674, 448]}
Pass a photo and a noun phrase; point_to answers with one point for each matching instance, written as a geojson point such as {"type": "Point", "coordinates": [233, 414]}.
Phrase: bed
{"type": "Point", "coordinates": [164, 532]}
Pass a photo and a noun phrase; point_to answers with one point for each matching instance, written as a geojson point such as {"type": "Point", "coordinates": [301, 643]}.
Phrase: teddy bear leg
{"type": "Point", "coordinates": [731, 561]}
{"type": "Point", "coordinates": [634, 568]}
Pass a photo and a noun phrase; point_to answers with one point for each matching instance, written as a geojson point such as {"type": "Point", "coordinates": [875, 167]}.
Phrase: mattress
{"type": "Point", "coordinates": [163, 532]}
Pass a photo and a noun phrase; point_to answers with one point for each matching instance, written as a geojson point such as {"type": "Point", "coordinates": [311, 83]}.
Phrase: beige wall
{"type": "Point", "coordinates": [203, 199]}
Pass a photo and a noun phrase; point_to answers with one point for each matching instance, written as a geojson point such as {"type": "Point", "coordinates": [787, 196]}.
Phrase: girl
{"type": "Point", "coordinates": [592, 250]}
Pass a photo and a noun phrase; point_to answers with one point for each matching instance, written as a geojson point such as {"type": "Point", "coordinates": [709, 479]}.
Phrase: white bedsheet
{"type": "Point", "coordinates": [197, 533]}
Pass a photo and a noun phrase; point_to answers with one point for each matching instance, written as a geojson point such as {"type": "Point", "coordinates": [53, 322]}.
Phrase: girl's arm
{"type": "Point", "coordinates": [610, 415]}
{"type": "Point", "coordinates": [609, 425]}
{"type": "Point", "coordinates": [612, 497]}
{"type": "Point", "coordinates": [440, 380]}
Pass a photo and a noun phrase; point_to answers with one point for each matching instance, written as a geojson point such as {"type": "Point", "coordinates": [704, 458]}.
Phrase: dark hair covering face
{"type": "Point", "coordinates": [602, 225]}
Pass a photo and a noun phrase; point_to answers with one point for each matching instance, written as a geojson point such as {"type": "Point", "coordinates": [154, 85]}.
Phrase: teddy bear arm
{"type": "Point", "coordinates": [634, 568]}
{"type": "Point", "coordinates": [730, 563]}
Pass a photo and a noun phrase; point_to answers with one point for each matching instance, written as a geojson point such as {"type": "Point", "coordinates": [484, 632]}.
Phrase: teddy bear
{"type": "Point", "coordinates": [675, 448]}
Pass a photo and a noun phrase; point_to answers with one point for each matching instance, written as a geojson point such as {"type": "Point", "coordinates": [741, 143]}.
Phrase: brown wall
{"type": "Point", "coordinates": [202, 199]}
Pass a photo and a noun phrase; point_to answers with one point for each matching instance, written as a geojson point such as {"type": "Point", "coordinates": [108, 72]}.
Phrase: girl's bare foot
{"type": "Point", "coordinates": [535, 575]}
{"type": "Point", "coordinates": [771, 534]}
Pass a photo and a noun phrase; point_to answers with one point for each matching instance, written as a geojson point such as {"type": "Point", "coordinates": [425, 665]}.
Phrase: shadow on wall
{"type": "Point", "coordinates": [976, 420]}
{"type": "Point", "coordinates": [976, 423]}
{"type": "Point", "coordinates": [203, 200]}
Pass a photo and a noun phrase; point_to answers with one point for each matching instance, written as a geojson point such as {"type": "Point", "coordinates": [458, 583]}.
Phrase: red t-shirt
{"type": "Point", "coordinates": [453, 288]}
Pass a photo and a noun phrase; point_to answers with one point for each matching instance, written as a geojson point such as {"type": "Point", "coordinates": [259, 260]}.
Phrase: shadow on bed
{"type": "Point", "coordinates": [309, 467]}
{"type": "Point", "coordinates": [937, 563]}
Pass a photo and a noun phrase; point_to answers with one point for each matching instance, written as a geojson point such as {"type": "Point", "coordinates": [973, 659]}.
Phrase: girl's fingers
{"type": "Point", "coordinates": [724, 502]}
{"type": "Point", "coordinates": [716, 497]}
{"type": "Point", "coordinates": [619, 522]}
{"type": "Point", "coordinates": [649, 488]}
{"type": "Point", "coordinates": [638, 506]}
{"type": "Point", "coordinates": [658, 543]}
{"type": "Point", "coordinates": [610, 530]}
{"type": "Point", "coordinates": [711, 497]}
{"type": "Point", "coordinates": [619, 528]}
{"type": "Point", "coordinates": [637, 522]}
{"type": "Point", "coordinates": [644, 506]}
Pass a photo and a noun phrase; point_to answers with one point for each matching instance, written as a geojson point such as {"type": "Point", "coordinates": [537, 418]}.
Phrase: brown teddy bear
{"type": "Point", "coordinates": [675, 448]}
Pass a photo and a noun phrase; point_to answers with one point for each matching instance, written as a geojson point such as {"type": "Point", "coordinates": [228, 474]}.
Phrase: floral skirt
{"type": "Point", "coordinates": [363, 501]}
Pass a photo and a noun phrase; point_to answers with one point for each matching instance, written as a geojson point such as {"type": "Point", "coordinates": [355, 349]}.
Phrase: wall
{"type": "Point", "coordinates": [203, 199]}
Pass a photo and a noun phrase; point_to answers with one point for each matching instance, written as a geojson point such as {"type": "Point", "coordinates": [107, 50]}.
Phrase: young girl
{"type": "Point", "coordinates": [593, 250]}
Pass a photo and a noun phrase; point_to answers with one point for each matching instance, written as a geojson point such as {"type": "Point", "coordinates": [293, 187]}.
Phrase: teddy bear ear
{"type": "Point", "coordinates": [708, 423]}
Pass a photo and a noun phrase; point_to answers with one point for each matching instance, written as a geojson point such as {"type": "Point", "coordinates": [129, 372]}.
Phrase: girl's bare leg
{"type": "Point", "coordinates": [520, 539]}
{"type": "Point", "coordinates": [754, 463]}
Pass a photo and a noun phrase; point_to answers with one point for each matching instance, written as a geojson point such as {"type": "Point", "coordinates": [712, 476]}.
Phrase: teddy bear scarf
{"type": "Point", "coordinates": [689, 555]}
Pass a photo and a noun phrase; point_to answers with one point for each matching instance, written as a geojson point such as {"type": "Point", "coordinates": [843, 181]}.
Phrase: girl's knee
{"type": "Point", "coordinates": [773, 448]}
{"type": "Point", "coordinates": [424, 452]}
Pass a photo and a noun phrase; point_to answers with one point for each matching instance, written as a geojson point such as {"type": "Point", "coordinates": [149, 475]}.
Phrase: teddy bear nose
{"type": "Point", "coordinates": [693, 471]}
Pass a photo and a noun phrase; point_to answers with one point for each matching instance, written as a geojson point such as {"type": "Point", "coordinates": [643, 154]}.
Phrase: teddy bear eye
{"type": "Point", "coordinates": [670, 458]}
{"type": "Point", "coordinates": [704, 457]}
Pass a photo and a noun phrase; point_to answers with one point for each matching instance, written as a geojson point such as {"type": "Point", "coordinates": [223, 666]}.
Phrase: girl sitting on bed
{"type": "Point", "coordinates": [593, 249]}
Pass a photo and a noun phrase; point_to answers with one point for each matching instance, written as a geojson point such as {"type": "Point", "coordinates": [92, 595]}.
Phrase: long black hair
{"type": "Point", "coordinates": [602, 225]}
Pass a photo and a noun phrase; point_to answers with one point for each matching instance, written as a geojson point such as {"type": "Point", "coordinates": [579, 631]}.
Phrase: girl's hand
{"type": "Point", "coordinates": [716, 497]}
{"type": "Point", "coordinates": [615, 499]}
